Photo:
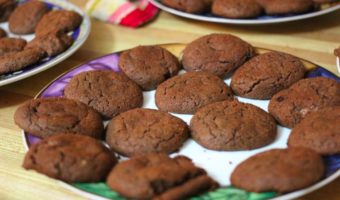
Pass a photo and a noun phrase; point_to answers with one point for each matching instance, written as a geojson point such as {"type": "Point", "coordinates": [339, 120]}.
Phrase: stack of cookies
{"type": "Point", "coordinates": [241, 9]}
{"type": "Point", "coordinates": [220, 122]}
{"type": "Point", "coordinates": [51, 28]}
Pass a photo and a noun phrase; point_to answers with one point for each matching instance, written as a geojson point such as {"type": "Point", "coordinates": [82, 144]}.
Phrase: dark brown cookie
{"type": "Point", "coordinates": [6, 8]}
{"type": "Point", "coordinates": [11, 45]}
{"type": "Point", "coordinates": [47, 116]}
{"type": "Point", "coordinates": [189, 6]}
{"type": "Point", "coordinates": [291, 105]}
{"type": "Point", "coordinates": [337, 52]}
{"type": "Point", "coordinates": [265, 75]}
{"type": "Point", "coordinates": [52, 43]}
{"type": "Point", "coordinates": [60, 21]}
{"type": "Point", "coordinates": [232, 125]}
{"type": "Point", "coordinates": [141, 131]}
{"type": "Point", "coordinates": [236, 8]}
{"type": "Point", "coordinates": [2, 33]}
{"type": "Point", "coordinates": [218, 54]}
{"type": "Point", "coordinates": [319, 131]}
{"type": "Point", "coordinates": [280, 170]}
{"type": "Point", "coordinates": [19, 60]}
{"type": "Point", "coordinates": [186, 93]}
{"type": "Point", "coordinates": [280, 7]}
{"type": "Point", "coordinates": [157, 176]}
{"type": "Point", "coordinates": [71, 158]}
{"type": "Point", "coordinates": [26, 16]}
{"type": "Point", "coordinates": [108, 92]}
{"type": "Point", "coordinates": [148, 66]}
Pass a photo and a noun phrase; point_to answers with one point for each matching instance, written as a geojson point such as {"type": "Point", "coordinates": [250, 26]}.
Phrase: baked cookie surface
{"type": "Point", "coordinates": [6, 8]}
{"type": "Point", "coordinates": [284, 7]}
{"type": "Point", "coordinates": [236, 9]}
{"type": "Point", "coordinates": [10, 45]}
{"type": "Point", "coordinates": [2, 33]}
{"type": "Point", "coordinates": [189, 6]}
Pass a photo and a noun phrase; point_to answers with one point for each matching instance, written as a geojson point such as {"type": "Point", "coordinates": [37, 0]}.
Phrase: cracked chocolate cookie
{"type": "Point", "coordinates": [59, 21]}
{"type": "Point", "coordinates": [236, 9]}
{"type": "Point", "coordinates": [319, 131]}
{"type": "Point", "coordinates": [52, 43]}
{"type": "Point", "coordinates": [232, 126]}
{"type": "Point", "coordinates": [47, 116]}
{"type": "Point", "coordinates": [6, 8]}
{"type": "Point", "coordinates": [15, 61]}
{"type": "Point", "coordinates": [141, 131]}
{"type": "Point", "coordinates": [186, 93]}
{"type": "Point", "coordinates": [280, 170]}
{"type": "Point", "coordinates": [189, 6]}
{"type": "Point", "coordinates": [280, 7]}
{"type": "Point", "coordinates": [218, 54]}
{"type": "Point", "coordinates": [71, 158]}
{"type": "Point", "coordinates": [291, 105]}
{"type": "Point", "coordinates": [2, 33]}
{"type": "Point", "coordinates": [157, 176]}
{"type": "Point", "coordinates": [266, 74]}
{"type": "Point", "coordinates": [148, 66]}
{"type": "Point", "coordinates": [108, 92]}
{"type": "Point", "coordinates": [26, 16]}
{"type": "Point", "coordinates": [10, 45]}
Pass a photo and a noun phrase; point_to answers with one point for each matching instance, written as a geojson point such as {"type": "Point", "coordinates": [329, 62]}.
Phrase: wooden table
{"type": "Point", "coordinates": [313, 39]}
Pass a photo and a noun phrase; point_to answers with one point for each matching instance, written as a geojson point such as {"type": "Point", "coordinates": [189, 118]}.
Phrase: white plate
{"type": "Point", "coordinates": [81, 34]}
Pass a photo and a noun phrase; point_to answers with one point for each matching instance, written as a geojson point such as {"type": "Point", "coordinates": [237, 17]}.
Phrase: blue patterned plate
{"type": "Point", "coordinates": [79, 35]}
{"type": "Point", "coordinates": [264, 19]}
{"type": "Point", "coordinates": [219, 165]}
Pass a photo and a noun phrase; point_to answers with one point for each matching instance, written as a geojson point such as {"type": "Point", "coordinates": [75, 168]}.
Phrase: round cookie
{"type": "Point", "coordinates": [53, 43]}
{"type": "Point", "coordinates": [337, 52]}
{"type": "Point", "coordinates": [26, 16]}
{"type": "Point", "coordinates": [2, 33]}
{"type": "Point", "coordinates": [71, 158]}
{"type": "Point", "coordinates": [15, 61]}
{"type": "Point", "coordinates": [186, 93]}
{"type": "Point", "coordinates": [148, 66]}
{"type": "Point", "coordinates": [279, 7]}
{"type": "Point", "coordinates": [141, 131]}
{"type": "Point", "coordinates": [236, 9]}
{"type": "Point", "coordinates": [218, 54]}
{"type": "Point", "coordinates": [266, 74]}
{"type": "Point", "coordinates": [231, 126]}
{"type": "Point", "coordinates": [189, 6]}
{"type": "Point", "coordinates": [319, 131]}
{"type": "Point", "coordinates": [60, 21]}
{"type": "Point", "coordinates": [6, 8]}
{"type": "Point", "coordinates": [291, 105]}
{"type": "Point", "coordinates": [10, 45]}
{"type": "Point", "coordinates": [47, 116]}
{"type": "Point", "coordinates": [108, 92]}
{"type": "Point", "coordinates": [280, 170]}
{"type": "Point", "coordinates": [157, 176]}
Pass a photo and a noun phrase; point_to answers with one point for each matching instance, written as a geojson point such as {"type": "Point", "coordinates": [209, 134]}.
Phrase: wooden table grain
{"type": "Point", "coordinates": [313, 39]}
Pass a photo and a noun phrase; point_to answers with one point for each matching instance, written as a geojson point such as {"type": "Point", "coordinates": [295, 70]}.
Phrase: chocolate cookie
{"type": "Point", "coordinates": [148, 66]}
{"type": "Point", "coordinates": [53, 43]}
{"type": "Point", "coordinates": [6, 8]}
{"type": "Point", "coordinates": [141, 131]}
{"type": "Point", "coordinates": [19, 60]}
{"type": "Point", "coordinates": [266, 74]}
{"type": "Point", "coordinates": [186, 93]}
{"type": "Point", "coordinates": [157, 176]}
{"type": "Point", "coordinates": [108, 92]}
{"type": "Point", "coordinates": [47, 116]}
{"type": "Point", "coordinates": [189, 6]}
{"type": "Point", "coordinates": [319, 131]}
{"type": "Point", "coordinates": [71, 158]}
{"type": "Point", "coordinates": [10, 45]}
{"type": "Point", "coordinates": [232, 125]}
{"type": "Point", "coordinates": [291, 105]}
{"type": "Point", "coordinates": [280, 7]}
{"type": "Point", "coordinates": [25, 17]}
{"type": "Point", "coordinates": [337, 52]}
{"type": "Point", "coordinates": [236, 8]}
{"type": "Point", "coordinates": [280, 170]}
{"type": "Point", "coordinates": [218, 54]}
{"type": "Point", "coordinates": [60, 21]}
{"type": "Point", "coordinates": [2, 33]}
